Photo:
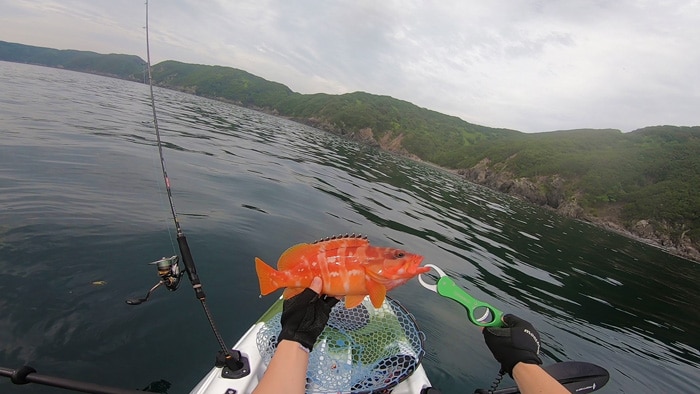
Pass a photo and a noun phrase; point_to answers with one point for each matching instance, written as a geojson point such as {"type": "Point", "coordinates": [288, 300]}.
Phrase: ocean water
{"type": "Point", "coordinates": [82, 201]}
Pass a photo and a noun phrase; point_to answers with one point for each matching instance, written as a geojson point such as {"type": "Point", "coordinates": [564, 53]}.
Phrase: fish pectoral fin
{"type": "Point", "coordinates": [373, 276]}
{"type": "Point", "coordinates": [290, 292]}
{"type": "Point", "coordinates": [377, 292]}
{"type": "Point", "coordinates": [352, 301]}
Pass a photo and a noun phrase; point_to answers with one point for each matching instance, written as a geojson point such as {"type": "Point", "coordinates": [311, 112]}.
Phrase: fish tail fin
{"type": "Point", "coordinates": [266, 276]}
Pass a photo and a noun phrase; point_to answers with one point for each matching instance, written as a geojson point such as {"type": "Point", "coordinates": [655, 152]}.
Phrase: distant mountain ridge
{"type": "Point", "coordinates": [129, 67]}
{"type": "Point", "coordinates": [643, 184]}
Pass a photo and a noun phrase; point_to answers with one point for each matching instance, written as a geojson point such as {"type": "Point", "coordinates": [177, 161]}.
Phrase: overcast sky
{"type": "Point", "coordinates": [532, 66]}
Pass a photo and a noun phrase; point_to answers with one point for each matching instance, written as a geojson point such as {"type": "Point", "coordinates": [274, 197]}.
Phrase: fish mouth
{"type": "Point", "coordinates": [413, 267]}
{"type": "Point", "coordinates": [422, 270]}
{"type": "Point", "coordinates": [418, 270]}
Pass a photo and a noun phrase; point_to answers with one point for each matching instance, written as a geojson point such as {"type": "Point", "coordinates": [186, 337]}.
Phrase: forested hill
{"type": "Point", "coordinates": [381, 120]}
{"type": "Point", "coordinates": [120, 66]}
{"type": "Point", "coordinates": [643, 183]}
{"type": "Point", "coordinates": [646, 182]}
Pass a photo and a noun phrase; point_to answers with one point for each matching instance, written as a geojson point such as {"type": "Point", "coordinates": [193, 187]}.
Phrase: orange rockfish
{"type": "Point", "coordinates": [348, 265]}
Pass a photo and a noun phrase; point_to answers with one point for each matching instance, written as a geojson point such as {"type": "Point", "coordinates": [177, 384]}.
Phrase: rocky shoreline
{"type": "Point", "coordinates": [550, 192]}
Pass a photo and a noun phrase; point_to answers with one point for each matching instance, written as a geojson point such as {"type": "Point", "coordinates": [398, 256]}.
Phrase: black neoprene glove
{"type": "Point", "coordinates": [517, 341]}
{"type": "Point", "coordinates": [304, 317]}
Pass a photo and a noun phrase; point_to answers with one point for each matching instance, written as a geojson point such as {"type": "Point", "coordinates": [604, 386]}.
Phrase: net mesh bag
{"type": "Point", "coordinates": [361, 350]}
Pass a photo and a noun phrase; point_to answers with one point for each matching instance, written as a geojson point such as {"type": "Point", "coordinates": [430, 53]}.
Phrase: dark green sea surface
{"type": "Point", "coordinates": [81, 200]}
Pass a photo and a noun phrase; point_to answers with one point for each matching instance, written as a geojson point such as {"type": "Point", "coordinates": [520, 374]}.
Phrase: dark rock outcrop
{"type": "Point", "coordinates": [543, 190]}
{"type": "Point", "coordinates": [554, 193]}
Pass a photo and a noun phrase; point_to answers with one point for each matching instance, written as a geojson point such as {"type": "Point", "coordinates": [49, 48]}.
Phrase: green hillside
{"type": "Point", "coordinates": [224, 83]}
{"type": "Point", "coordinates": [429, 135]}
{"type": "Point", "coordinates": [650, 174]}
{"type": "Point", "coordinates": [645, 182]}
{"type": "Point", "coordinates": [121, 66]}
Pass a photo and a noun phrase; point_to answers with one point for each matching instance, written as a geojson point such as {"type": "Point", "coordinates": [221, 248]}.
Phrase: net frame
{"type": "Point", "coordinates": [362, 350]}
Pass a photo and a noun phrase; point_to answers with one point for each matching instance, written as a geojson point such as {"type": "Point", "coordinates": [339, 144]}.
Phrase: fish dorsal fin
{"type": "Point", "coordinates": [292, 256]}
{"type": "Point", "coordinates": [340, 236]}
{"type": "Point", "coordinates": [377, 292]}
{"type": "Point", "coordinates": [352, 301]}
{"type": "Point", "coordinates": [298, 252]}
{"type": "Point", "coordinates": [348, 241]}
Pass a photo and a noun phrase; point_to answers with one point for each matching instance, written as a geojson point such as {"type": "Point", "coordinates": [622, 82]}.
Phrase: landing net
{"type": "Point", "coordinates": [361, 350]}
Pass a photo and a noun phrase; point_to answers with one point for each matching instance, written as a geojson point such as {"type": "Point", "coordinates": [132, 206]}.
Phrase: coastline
{"type": "Point", "coordinates": [685, 252]}
{"type": "Point", "coordinates": [530, 190]}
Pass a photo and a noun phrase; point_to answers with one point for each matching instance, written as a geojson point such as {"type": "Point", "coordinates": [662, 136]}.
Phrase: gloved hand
{"type": "Point", "coordinates": [305, 315]}
{"type": "Point", "coordinates": [517, 342]}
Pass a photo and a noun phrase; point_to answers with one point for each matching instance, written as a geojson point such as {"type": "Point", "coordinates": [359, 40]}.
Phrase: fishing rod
{"type": "Point", "coordinates": [234, 365]}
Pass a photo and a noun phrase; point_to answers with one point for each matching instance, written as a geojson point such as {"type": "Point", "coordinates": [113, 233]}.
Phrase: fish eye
{"type": "Point", "coordinates": [399, 254]}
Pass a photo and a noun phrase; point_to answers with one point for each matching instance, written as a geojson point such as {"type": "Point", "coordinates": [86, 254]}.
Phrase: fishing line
{"type": "Point", "coordinates": [159, 142]}
{"type": "Point", "coordinates": [148, 78]}
{"type": "Point", "coordinates": [157, 175]}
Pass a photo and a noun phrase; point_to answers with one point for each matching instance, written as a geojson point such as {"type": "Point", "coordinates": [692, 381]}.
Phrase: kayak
{"type": "Point", "coordinates": [362, 350]}
{"type": "Point", "coordinates": [367, 350]}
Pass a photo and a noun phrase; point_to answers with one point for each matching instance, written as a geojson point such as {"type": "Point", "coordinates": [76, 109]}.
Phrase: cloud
{"type": "Point", "coordinates": [526, 65]}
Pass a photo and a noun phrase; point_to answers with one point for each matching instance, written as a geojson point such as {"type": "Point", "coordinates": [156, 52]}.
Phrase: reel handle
{"type": "Point", "coordinates": [169, 272]}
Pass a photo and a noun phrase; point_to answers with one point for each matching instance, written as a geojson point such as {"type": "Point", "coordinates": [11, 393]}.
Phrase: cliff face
{"type": "Point", "coordinates": [388, 141]}
{"type": "Point", "coordinates": [547, 191]}
{"type": "Point", "coordinates": [556, 193]}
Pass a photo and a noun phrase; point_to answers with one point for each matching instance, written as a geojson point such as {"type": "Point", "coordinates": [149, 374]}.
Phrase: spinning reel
{"type": "Point", "coordinates": [169, 272]}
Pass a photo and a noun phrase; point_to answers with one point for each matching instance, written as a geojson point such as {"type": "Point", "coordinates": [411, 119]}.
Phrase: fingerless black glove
{"type": "Point", "coordinates": [304, 317]}
{"type": "Point", "coordinates": [517, 342]}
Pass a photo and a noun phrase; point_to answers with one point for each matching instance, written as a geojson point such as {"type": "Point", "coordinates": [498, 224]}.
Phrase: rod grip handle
{"type": "Point", "coordinates": [190, 268]}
